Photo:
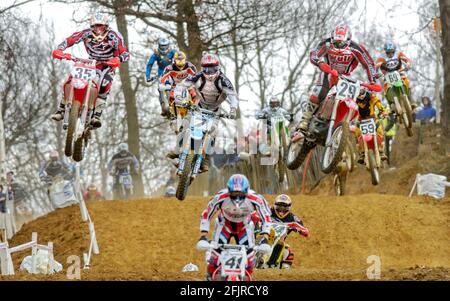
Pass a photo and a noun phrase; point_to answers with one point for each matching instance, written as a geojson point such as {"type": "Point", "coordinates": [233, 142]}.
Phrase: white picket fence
{"type": "Point", "coordinates": [6, 263]}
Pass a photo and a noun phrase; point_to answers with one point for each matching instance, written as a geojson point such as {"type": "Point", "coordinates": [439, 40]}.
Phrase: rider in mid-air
{"type": "Point", "coordinates": [163, 56]}
{"type": "Point", "coordinates": [235, 205]}
{"type": "Point", "coordinates": [213, 88]}
{"type": "Point", "coordinates": [394, 60]}
{"type": "Point", "coordinates": [175, 73]}
{"type": "Point", "coordinates": [104, 45]}
{"type": "Point", "coordinates": [341, 57]}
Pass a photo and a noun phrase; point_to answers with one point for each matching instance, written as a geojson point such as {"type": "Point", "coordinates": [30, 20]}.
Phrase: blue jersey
{"type": "Point", "coordinates": [162, 61]}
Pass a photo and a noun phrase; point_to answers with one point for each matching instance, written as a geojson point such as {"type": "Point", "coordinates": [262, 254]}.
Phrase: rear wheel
{"type": "Point", "coordinates": [78, 150]}
{"type": "Point", "coordinates": [296, 153]}
{"type": "Point", "coordinates": [373, 168]}
{"type": "Point", "coordinates": [332, 154]}
{"type": "Point", "coordinates": [73, 118]}
{"type": "Point", "coordinates": [407, 114]}
{"type": "Point", "coordinates": [185, 178]}
{"type": "Point", "coordinates": [339, 184]}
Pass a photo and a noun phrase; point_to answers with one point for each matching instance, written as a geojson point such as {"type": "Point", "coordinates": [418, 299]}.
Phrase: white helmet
{"type": "Point", "coordinates": [274, 102]}
{"type": "Point", "coordinates": [99, 26]}
{"type": "Point", "coordinates": [123, 147]}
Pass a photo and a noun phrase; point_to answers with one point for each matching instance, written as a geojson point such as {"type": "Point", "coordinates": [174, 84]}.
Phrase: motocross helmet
{"type": "Point", "coordinates": [179, 59]}
{"type": "Point", "coordinates": [282, 205]}
{"type": "Point", "coordinates": [99, 26]}
{"type": "Point", "coordinates": [92, 188]}
{"type": "Point", "coordinates": [274, 102]}
{"type": "Point", "coordinates": [163, 46]}
{"type": "Point", "coordinates": [389, 49]}
{"type": "Point", "coordinates": [123, 147]}
{"type": "Point", "coordinates": [54, 155]}
{"type": "Point", "coordinates": [341, 37]}
{"type": "Point", "coordinates": [238, 187]}
{"type": "Point", "coordinates": [211, 66]}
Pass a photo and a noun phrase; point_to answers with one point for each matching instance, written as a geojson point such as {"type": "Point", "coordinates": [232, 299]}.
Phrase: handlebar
{"type": "Point", "coordinates": [209, 112]}
{"type": "Point", "coordinates": [211, 245]}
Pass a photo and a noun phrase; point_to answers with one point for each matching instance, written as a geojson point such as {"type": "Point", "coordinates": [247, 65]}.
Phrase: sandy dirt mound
{"type": "Point", "coordinates": [152, 239]}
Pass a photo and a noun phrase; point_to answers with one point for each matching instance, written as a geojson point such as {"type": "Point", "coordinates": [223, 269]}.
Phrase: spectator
{"type": "Point", "coordinates": [426, 113]}
{"type": "Point", "coordinates": [2, 200]}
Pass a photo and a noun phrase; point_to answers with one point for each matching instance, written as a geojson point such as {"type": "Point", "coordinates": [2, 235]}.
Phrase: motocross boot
{"type": "Point", "coordinates": [59, 114]}
{"type": "Point", "coordinates": [95, 121]}
{"type": "Point", "coordinates": [306, 117]}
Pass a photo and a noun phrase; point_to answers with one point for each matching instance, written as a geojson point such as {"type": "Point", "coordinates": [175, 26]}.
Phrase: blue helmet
{"type": "Point", "coordinates": [238, 186]}
{"type": "Point", "coordinates": [389, 47]}
{"type": "Point", "coordinates": [163, 45]}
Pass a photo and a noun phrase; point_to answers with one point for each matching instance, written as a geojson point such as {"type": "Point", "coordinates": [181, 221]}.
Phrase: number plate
{"type": "Point", "coordinates": [392, 77]}
{"type": "Point", "coordinates": [231, 262]}
{"type": "Point", "coordinates": [83, 72]}
{"type": "Point", "coordinates": [368, 127]}
{"type": "Point", "coordinates": [347, 89]}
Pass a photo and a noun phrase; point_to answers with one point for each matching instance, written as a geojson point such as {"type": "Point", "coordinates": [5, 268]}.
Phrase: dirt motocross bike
{"type": "Point", "coordinates": [81, 95]}
{"type": "Point", "coordinates": [124, 187]}
{"type": "Point", "coordinates": [278, 232]}
{"type": "Point", "coordinates": [232, 262]}
{"type": "Point", "coordinates": [372, 143]}
{"type": "Point", "coordinates": [279, 140]}
{"type": "Point", "coordinates": [329, 125]}
{"type": "Point", "coordinates": [179, 108]}
{"type": "Point", "coordinates": [197, 138]}
{"type": "Point", "coordinates": [398, 93]}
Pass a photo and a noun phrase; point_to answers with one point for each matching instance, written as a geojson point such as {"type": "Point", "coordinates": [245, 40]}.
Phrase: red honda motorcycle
{"type": "Point", "coordinates": [329, 125]}
{"type": "Point", "coordinates": [80, 97]}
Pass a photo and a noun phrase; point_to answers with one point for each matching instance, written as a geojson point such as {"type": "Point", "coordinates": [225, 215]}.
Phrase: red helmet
{"type": "Point", "coordinates": [211, 66]}
{"type": "Point", "coordinates": [341, 37]}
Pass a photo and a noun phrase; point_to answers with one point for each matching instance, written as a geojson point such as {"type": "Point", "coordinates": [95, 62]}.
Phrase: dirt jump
{"type": "Point", "coordinates": [153, 239]}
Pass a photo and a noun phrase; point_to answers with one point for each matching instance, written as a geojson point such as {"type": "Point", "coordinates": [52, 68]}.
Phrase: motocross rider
{"type": "Point", "coordinates": [213, 88]}
{"type": "Point", "coordinates": [163, 56]}
{"type": "Point", "coordinates": [55, 167]}
{"type": "Point", "coordinates": [281, 213]}
{"type": "Point", "coordinates": [92, 194]}
{"type": "Point", "coordinates": [394, 60]}
{"type": "Point", "coordinates": [176, 72]}
{"type": "Point", "coordinates": [341, 57]}
{"type": "Point", "coordinates": [367, 102]}
{"type": "Point", "coordinates": [121, 162]}
{"type": "Point", "coordinates": [274, 108]}
{"type": "Point", "coordinates": [235, 205]}
{"type": "Point", "coordinates": [104, 45]}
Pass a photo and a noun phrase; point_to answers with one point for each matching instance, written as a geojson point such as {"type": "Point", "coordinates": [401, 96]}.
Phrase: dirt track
{"type": "Point", "coordinates": [153, 239]}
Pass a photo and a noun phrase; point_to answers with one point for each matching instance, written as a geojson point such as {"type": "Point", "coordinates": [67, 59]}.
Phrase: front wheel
{"type": "Point", "coordinates": [332, 154]}
{"type": "Point", "coordinates": [73, 118]}
{"type": "Point", "coordinates": [296, 153]}
{"type": "Point", "coordinates": [373, 168]}
{"type": "Point", "coordinates": [78, 150]}
{"type": "Point", "coordinates": [185, 178]}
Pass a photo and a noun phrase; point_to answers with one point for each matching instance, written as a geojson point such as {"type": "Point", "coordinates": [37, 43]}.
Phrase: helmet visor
{"type": "Point", "coordinates": [163, 48]}
{"type": "Point", "coordinates": [282, 207]}
{"type": "Point", "coordinates": [340, 44]}
{"type": "Point", "coordinates": [99, 29]}
{"type": "Point", "coordinates": [211, 70]}
{"type": "Point", "coordinates": [237, 195]}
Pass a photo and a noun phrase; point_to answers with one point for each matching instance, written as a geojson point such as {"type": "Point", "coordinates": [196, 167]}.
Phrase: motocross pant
{"type": "Point", "coordinates": [243, 233]}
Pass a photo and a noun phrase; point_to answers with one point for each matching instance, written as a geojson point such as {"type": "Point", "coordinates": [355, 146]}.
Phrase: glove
{"type": "Point", "coordinates": [324, 67]}
{"type": "Point", "coordinates": [305, 232]}
{"type": "Point", "coordinates": [203, 243]}
{"type": "Point", "coordinates": [233, 113]}
{"type": "Point", "coordinates": [114, 62]}
{"type": "Point", "coordinates": [384, 114]}
{"type": "Point", "coordinates": [60, 55]}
